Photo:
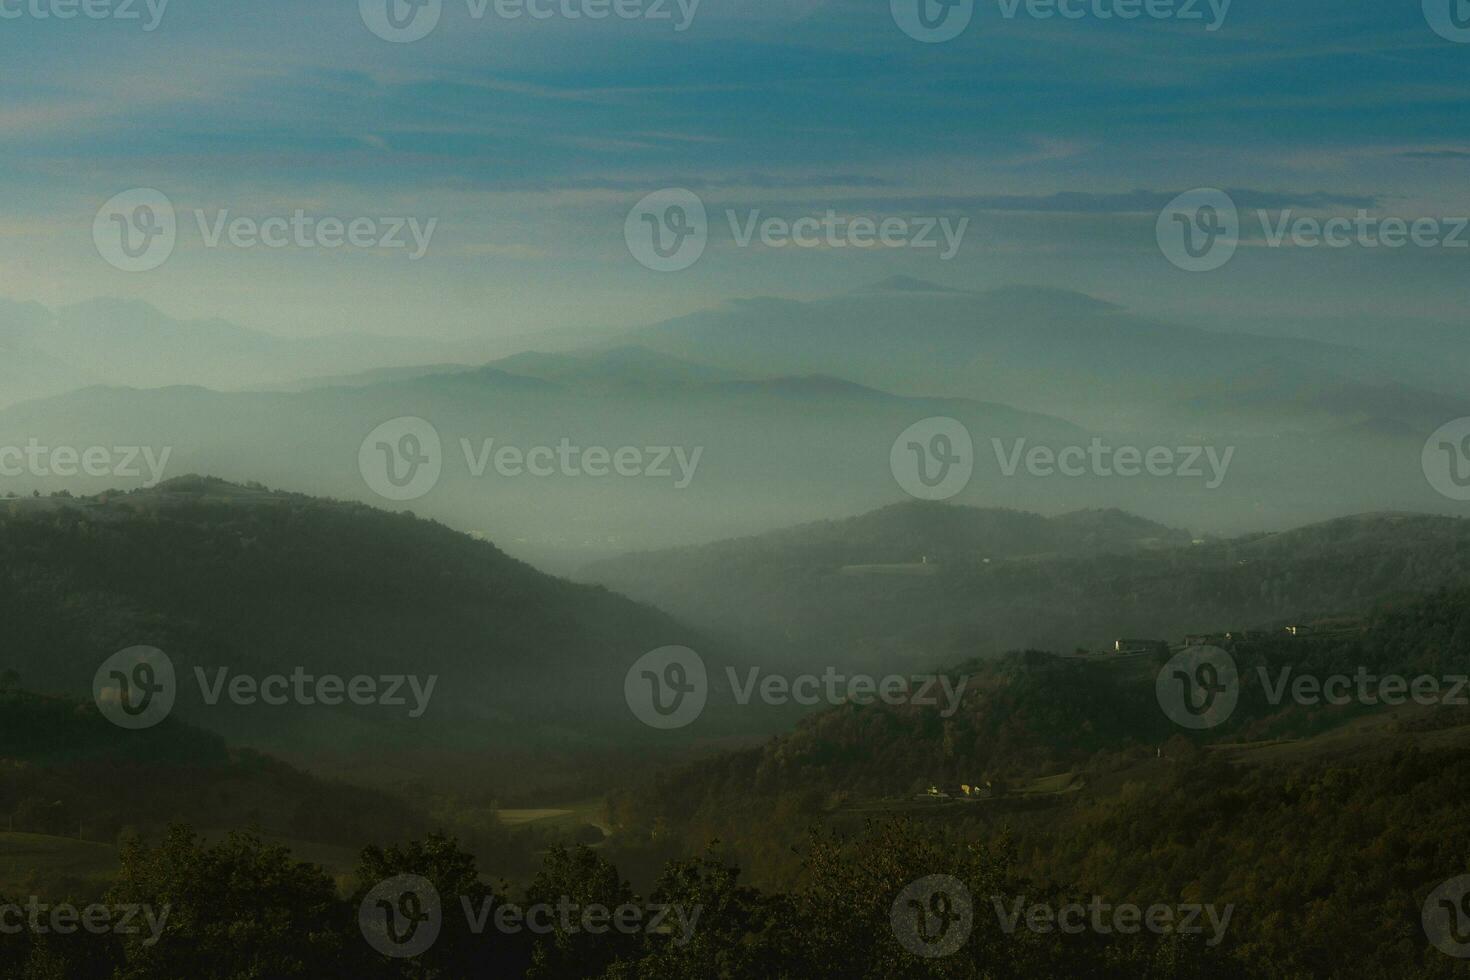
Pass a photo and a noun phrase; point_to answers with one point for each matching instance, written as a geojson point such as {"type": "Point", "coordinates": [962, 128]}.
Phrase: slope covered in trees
{"type": "Point", "coordinates": [258, 584]}
{"type": "Point", "coordinates": [998, 580]}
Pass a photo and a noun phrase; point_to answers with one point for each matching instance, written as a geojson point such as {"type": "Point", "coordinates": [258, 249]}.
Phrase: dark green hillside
{"type": "Point", "coordinates": [67, 772]}
{"type": "Point", "coordinates": [222, 576]}
{"type": "Point", "coordinates": [1031, 716]}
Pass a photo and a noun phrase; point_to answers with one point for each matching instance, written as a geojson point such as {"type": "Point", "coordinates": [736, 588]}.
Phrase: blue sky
{"type": "Point", "coordinates": [528, 142]}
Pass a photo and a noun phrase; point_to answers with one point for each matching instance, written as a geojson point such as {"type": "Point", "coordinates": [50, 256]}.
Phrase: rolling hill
{"type": "Point", "coordinates": [74, 784]}
{"type": "Point", "coordinates": [253, 583]}
{"type": "Point", "coordinates": [1000, 580]}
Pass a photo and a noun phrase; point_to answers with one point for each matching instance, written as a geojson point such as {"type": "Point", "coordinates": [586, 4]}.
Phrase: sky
{"type": "Point", "coordinates": [526, 142]}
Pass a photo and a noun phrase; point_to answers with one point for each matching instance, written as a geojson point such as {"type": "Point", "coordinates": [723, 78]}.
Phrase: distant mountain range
{"type": "Point", "coordinates": [756, 453]}
{"type": "Point", "coordinates": [793, 408]}
{"type": "Point", "coordinates": [131, 343]}
{"type": "Point", "coordinates": [1045, 349]}
{"type": "Point", "coordinates": [924, 583]}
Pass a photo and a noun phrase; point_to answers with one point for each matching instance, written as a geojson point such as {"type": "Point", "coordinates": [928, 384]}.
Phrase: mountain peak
{"type": "Point", "coordinates": [805, 386]}
{"type": "Point", "coordinates": [906, 284]}
{"type": "Point", "coordinates": [625, 365]}
{"type": "Point", "coordinates": [1047, 297]}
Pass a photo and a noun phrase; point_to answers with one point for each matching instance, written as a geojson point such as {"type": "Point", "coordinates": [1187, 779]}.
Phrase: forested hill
{"type": "Point", "coordinates": [221, 576]}
{"type": "Point", "coordinates": [70, 773]}
{"type": "Point", "coordinates": [1032, 715]}
{"type": "Point", "coordinates": [998, 580]}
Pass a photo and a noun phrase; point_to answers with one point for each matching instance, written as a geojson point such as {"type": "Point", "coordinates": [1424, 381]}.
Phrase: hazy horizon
{"type": "Point", "coordinates": [528, 140]}
{"type": "Point", "coordinates": [741, 489]}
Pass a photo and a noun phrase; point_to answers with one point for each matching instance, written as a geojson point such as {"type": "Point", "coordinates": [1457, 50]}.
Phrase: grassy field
{"type": "Point", "coordinates": [566, 820]}
{"type": "Point", "coordinates": [1064, 782]}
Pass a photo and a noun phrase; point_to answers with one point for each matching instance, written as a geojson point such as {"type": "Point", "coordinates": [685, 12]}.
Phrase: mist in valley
{"type": "Point", "coordinates": [685, 490]}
